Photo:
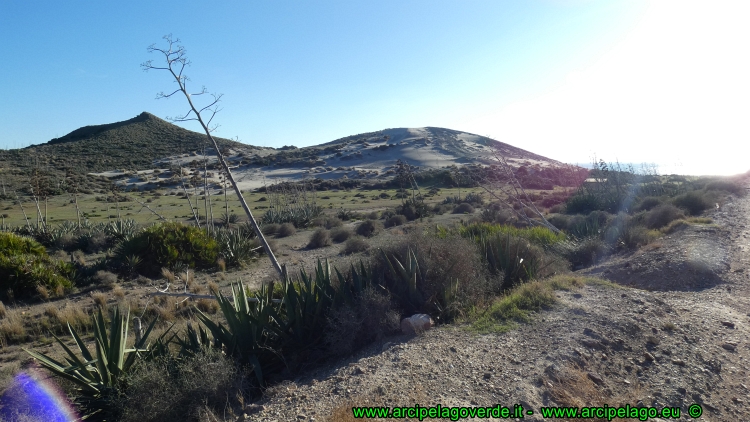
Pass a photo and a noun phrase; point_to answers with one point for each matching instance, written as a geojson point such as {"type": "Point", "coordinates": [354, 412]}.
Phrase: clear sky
{"type": "Point", "coordinates": [634, 81]}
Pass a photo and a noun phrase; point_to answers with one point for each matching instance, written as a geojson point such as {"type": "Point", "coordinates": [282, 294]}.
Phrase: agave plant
{"type": "Point", "coordinates": [252, 332]}
{"type": "Point", "coordinates": [406, 274]}
{"type": "Point", "coordinates": [122, 229]}
{"type": "Point", "coordinates": [97, 376]}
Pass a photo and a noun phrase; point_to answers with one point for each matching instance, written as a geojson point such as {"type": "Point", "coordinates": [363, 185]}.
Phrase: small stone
{"type": "Point", "coordinates": [729, 346]}
{"type": "Point", "coordinates": [648, 356]}
{"type": "Point", "coordinates": [678, 362]}
{"type": "Point", "coordinates": [728, 324]}
{"type": "Point", "coordinates": [254, 408]}
{"type": "Point", "coordinates": [487, 375]}
{"type": "Point", "coordinates": [453, 349]}
{"type": "Point", "coordinates": [595, 377]}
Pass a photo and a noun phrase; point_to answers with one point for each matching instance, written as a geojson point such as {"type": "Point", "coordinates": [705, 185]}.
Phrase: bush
{"type": "Point", "coordinates": [368, 228]}
{"type": "Point", "coordinates": [725, 185]}
{"type": "Point", "coordinates": [328, 222]}
{"type": "Point", "coordinates": [694, 202]}
{"type": "Point", "coordinates": [581, 204]}
{"type": "Point", "coordinates": [587, 252]}
{"type": "Point", "coordinates": [627, 232]}
{"type": "Point", "coordinates": [26, 270]}
{"type": "Point", "coordinates": [167, 389]}
{"type": "Point", "coordinates": [166, 244]}
{"type": "Point", "coordinates": [355, 245]}
{"type": "Point", "coordinates": [373, 215]}
{"type": "Point", "coordinates": [662, 215]}
{"type": "Point", "coordinates": [270, 229]}
{"type": "Point", "coordinates": [412, 209]}
{"type": "Point", "coordinates": [395, 220]}
{"type": "Point", "coordinates": [648, 203]}
{"type": "Point", "coordinates": [341, 234]}
{"type": "Point", "coordinates": [320, 238]}
{"type": "Point", "coordinates": [370, 318]}
{"type": "Point", "coordinates": [450, 276]}
{"type": "Point", "coordinates": [286, 230]}
{"type": "Point", "coordinates": [463, 208]}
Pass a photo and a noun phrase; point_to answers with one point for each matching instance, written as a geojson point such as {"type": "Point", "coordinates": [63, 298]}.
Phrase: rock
{"type": "Point", "coordinates": [595, 377]}
{"type": "Point", "coordinates": [254, 408]}
{"type": "Point", "coordinates": [648, 356]}
{"type": "Point", "coordinates": [678, 362]}
{"type": "Point", "coordinates": [728, 324]}
{"type": "Point", "coordinates": [416, 324]}
{"type": "Point", "coordinates": [729, 346]}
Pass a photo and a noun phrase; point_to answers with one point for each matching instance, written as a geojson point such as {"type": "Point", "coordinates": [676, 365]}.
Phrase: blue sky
{"type": "Point", "coordinates": [635, 81]}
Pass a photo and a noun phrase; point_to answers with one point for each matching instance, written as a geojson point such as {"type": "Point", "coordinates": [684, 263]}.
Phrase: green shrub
{"type": "Point", "coordinates": [26, 269]}
{"type": "Point", "coordinates": [561, 221]}
{"type": "Point", "coordinates": [166, 244]}
{"type": "Point", "coordinates": [341, 234]}
{"type": "Point", "coordinates": [662, 215]}
{"type": "Point", "coordinates": [235, 245]}
{"type": "Point", "coordinates": [286, 230]}
{"type": "Point", "coordinates": [355, 245]}
{"type": "Point", "coordinates": [540, 236]}
{"type": "Point", "coordinates": [694, 202]}
{"type": "Point", "coordinates": [369, 228]}
{"type": "Point", "coordinates": [395, 220]}
{"type": "Point", "coordinates": [320, 238]}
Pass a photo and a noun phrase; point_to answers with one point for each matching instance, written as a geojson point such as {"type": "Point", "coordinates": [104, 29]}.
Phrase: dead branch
{"type": "Point", "coordinates": [176, 59]}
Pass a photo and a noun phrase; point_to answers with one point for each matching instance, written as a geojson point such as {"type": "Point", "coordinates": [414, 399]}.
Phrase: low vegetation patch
{"type": "Point", "coordinates": [166, 245]}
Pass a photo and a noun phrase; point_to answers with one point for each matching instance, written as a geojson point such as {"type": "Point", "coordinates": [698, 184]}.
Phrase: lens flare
{"type": "Point", "coordinates": [34, 396]}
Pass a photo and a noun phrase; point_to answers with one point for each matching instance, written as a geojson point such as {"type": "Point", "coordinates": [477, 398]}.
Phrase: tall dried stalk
{"type": "Point", "coordinates": [176, 61]}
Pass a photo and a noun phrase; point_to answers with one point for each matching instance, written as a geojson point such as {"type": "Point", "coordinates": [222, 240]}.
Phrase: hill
{"type": "Point", "coordinates": [146, 142]}
{"type": "Point", "coordinates": [133, 143]}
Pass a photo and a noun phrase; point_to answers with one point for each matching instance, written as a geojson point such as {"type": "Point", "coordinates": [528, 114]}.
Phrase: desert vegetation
{"type": "Point", "coordinates": [466, 258]}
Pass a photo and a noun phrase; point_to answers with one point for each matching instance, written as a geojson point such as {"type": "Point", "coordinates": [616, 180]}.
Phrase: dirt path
{"type": "Point", "coordinates": [682, 342]}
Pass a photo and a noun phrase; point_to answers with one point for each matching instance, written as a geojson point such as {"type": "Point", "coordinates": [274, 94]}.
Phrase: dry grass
{"type": "Point", "coordinates": [42, 292]}
{"type": "Point", "coordinates": [100, 299]}
{"type": "Point", "coordinates": [343, 412]}
{"type": "Point", "coordinates": [208, 306]}
{"type": "Point", "coordinates": [168, 275]}
{"type": "Point", "coordinates": [574, 387]}
{"type": "Point", "coordinates": [213, 287]}
{"type": "Point", "coordinates": [222, 264]}
{"type": "Point", "coordinates": [118, 292]}
{"type": "Point", "coordinates": [3, 311]}
{"type": "Point", "coordinates": [12, 328]}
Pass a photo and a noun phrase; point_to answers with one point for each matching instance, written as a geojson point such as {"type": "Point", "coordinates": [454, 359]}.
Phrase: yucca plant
{"type": "Point", "coordinates": [235, 245]}
{"type": "Point", "coordinates": [252, 334]}
{"type": "Point", "coordinates": [406, 275]}
{"type": "Point", "coordinates": [96, 377]}
{"type": "Point", "coordinates": [122, 229]}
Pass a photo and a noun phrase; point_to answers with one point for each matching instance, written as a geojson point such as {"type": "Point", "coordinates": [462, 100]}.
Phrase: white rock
{"type": "Point", "coordinates": [416, 324]}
